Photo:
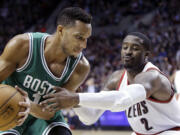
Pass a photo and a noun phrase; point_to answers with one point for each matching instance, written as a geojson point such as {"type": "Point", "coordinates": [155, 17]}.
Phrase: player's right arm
{"type": "Point", "coordinates": [14, 52]}
{"type": "Point", "coordinates": [13, 57]}
{"type": "Point", "coordinates": [89, 115]}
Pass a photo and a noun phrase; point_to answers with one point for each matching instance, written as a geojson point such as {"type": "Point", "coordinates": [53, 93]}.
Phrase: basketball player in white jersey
{"type": "Point", "coordinates": [175, 78]}
{"type": "Point", "coordinates": [140, 88]}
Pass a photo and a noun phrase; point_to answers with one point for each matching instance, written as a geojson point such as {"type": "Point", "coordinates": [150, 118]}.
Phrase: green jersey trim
{"type": "Point", "coordinates": [29, 55]}
{"type": "Point", "coordinates": [45, 64]}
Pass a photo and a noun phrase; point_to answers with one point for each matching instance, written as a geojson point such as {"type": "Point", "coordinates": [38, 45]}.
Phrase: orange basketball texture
{"type": "Point", "coordinates": [9, 107]}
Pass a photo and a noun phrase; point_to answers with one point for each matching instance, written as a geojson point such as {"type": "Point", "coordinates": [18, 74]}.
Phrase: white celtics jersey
{"type": "Point", "coordinates": [152, 116]}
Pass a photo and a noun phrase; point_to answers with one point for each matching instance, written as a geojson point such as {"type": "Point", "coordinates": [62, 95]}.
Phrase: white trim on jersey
{"type": "Point", "coordinates": [29, 55]}
{"type": "Point", "coordinates": [55, 124]}
{"type": "Point", "coordinates": [177, 80]}
{"type": "Point", "coordinates": [74, 66]}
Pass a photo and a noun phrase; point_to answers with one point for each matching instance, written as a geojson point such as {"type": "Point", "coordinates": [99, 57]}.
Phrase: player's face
{"type": "Point", "coordinates": [74, 38]}
{"type": "Point", "coordinates": [133, 52]}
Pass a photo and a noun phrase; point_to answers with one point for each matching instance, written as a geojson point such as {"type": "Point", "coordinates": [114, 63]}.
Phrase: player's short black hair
{"type": "Point", "coordinates": [146, 40]}
{"type": "Point", "coordinates": [68, 16]}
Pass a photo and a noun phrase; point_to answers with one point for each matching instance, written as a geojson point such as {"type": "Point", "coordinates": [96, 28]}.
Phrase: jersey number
{"type": "Point", "coordinates": [37, 97]}
{"type": "Point", "coordinates": [144, 121]}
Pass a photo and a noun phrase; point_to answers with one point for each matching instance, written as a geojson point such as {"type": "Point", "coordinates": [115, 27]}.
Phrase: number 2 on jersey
{"type": "Point", "coordinates": [144, 121]}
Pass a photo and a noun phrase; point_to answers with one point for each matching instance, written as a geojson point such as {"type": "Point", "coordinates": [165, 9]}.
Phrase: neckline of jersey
{"type": "Point", "coordinates": [45, 63]}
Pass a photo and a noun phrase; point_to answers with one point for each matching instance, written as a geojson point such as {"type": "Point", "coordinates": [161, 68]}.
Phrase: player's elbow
{"type": "Point", "coordinates": [88, 122]}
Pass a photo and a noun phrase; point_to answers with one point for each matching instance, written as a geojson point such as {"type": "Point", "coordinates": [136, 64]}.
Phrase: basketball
{"type": "Point", "coordinates": [9, 106]}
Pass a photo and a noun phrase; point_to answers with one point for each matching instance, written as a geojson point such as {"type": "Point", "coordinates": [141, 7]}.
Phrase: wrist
{"type": "Point", "coordinates": [31, 107]}
{"type": "Point", "coordinates": [76, 99]}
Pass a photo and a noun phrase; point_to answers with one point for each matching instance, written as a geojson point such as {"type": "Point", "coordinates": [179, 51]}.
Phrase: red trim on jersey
{"type": "Point", "coordinates": [121, 79]}
{"type": "Point", "coordinates": [175, 128]}
{"type": "Point", "coordinates": [159, 101]}
{"type": "Point", "coordinates": [156, 100]}
{"type": "Point", "coordinates": [177, 96]}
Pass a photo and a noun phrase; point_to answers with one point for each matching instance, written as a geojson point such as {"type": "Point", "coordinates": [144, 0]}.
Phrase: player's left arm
{"type": "Point", "coordinates": [78, 76]}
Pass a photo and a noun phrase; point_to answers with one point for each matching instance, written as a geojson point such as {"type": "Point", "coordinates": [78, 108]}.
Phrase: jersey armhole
{"type": "Point", "coordinates": [29, 55]}
{"type": "Point", "coordinates": [159, 101]}
{"type": "Point", "coordinates": [74, 66]}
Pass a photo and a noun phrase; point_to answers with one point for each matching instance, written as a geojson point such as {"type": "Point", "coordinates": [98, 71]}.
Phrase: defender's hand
{"type": "Point", "coordinates": [25, 104]}
{"type": "Point", "coordinates": [60, 100]}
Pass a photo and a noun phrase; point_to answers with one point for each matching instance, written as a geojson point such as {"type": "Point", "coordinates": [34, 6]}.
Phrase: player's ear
{"type": "Point", "coordinates": [59, 29]}
{"type": "Point", "coordinates": [147, 53]}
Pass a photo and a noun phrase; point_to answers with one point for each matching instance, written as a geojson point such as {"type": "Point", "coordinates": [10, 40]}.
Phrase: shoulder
{"type": "Point", "coordinates": [83, 65]}
{"type": "Point", "coordinates": [117, 74]}
{"type": "Point", "coordinates": [18, 43]}
{"type": "Point", "coordinates": [16, 48]}
{"type": "Point", "coordinates": [18, 40]}
{"type": "Point", "coordinates": [113, 80]}
{"type": "Point", "coordinates": [79, 75]}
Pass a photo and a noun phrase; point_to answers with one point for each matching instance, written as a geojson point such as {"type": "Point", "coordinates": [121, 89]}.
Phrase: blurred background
{"type": "Point", "coordinates": [112, 20]}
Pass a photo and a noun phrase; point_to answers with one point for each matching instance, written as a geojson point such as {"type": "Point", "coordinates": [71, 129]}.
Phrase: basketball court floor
{"type": "Point", "coordinates": [99, 132]}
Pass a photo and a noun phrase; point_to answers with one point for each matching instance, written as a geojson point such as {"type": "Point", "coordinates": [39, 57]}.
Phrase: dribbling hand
{"type": "Point", "coordinates": [25, 104]}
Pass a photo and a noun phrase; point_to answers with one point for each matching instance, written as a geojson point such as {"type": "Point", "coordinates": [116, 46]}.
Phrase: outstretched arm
{"type": "Point", "coordinates": [151, 83]}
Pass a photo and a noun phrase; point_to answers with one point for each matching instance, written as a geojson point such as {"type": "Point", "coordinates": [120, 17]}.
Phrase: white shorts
{"type": "Point", "coordinates": [169, 132]}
